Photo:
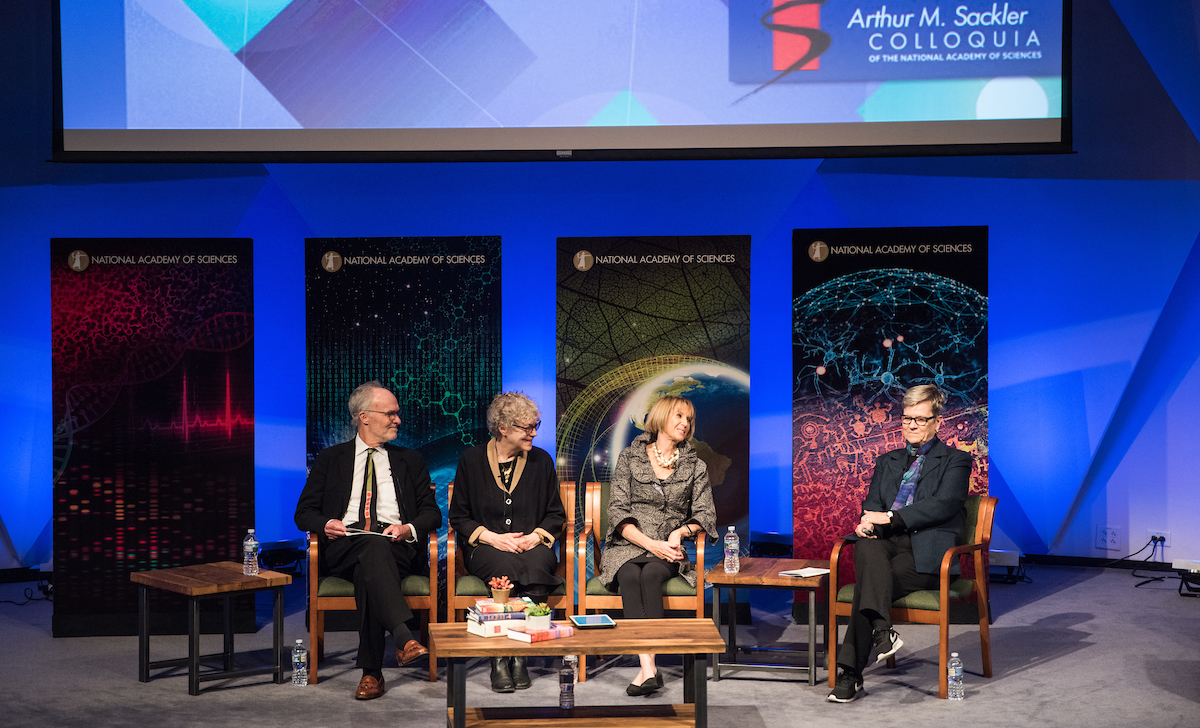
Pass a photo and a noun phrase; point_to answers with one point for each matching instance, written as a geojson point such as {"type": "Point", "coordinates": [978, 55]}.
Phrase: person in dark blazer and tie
{"type": "Point", "coordinates": [912, 514]}
{"type": "Point", "coordinates": [368, 485]}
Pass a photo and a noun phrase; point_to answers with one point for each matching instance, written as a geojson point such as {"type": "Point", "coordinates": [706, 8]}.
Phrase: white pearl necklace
{"type": "Point", "coordinates": [662, 461]}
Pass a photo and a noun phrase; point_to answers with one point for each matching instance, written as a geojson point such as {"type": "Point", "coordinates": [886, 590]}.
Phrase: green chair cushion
{"type": "Point", "coordinates": [596, 588]}
{"type": "Point", "coordinates": [473, 586]}
{"type": "Point", "coordinates": [415, 586]}
{"type": "Point", "coordinates": [676, 586]}
{"type": "Point", "coordinates": [335, 586]}
{"type": "Point", "coordinates": [928, 599]}
{"type": "Point", "coordinates": [470, 586]}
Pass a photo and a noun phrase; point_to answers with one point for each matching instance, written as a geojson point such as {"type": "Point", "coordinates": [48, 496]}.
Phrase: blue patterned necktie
{"type": "Point", "coordinates": [908, 484]}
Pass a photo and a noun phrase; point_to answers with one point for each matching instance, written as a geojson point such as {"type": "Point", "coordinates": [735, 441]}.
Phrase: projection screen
{"type": "Point", "coordinates": [586, 79]}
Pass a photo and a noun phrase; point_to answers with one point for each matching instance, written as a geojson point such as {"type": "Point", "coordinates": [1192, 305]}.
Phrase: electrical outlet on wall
{"type": "Point", "coordinates": [1108, 538]}
{"type": "Point", "coordinates": [1163, 536]}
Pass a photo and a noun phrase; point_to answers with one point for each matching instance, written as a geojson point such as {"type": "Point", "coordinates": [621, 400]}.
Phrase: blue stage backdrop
{"type": "Point", "coordinates": [642, 317]}
{"type": "Point", "coordinates": [153, 418]}
{"type": "Point", "coordinates": [876, 311]}
{"type": "Point", "coordinates": [422, 316]}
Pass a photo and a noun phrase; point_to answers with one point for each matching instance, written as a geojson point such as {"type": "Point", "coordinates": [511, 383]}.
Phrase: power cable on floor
{"type": "Point", "coordinates": [45, 587]}
{"type": "Point", "coordinates": [1146, 578]}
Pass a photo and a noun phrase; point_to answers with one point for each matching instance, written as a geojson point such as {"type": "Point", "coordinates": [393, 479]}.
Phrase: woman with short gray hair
{"type": "Point", "coordinates": [506, 511]}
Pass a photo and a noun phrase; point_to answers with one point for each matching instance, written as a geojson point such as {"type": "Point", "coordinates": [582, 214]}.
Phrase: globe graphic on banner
{"type": "Point", "coordinates": [721, 395]}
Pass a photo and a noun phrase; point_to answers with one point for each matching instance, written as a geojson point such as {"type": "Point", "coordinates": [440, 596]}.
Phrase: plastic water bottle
{"type": "Point", "coordinates": [299, 664]}
{"type": "Point", "coordinates": [733, 548]}
{"type": "Point", "coordinates": [250, 554]}
{"type": "Point", "coordinates": [566, 681]}
{"type": "Point", "coordinates": [954, 678]}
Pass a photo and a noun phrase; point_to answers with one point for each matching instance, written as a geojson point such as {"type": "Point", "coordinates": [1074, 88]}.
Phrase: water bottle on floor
{"type": "Point", "coordinates": [566, 681]}
{"type": "Point", "coordinates": [299, 664]}
{"type": "Point", "coordinates": [733, 549]}
{"type": "Point", "coordinates": [250, 554]}
{"type": "Point", "coordinates": [954, 678]}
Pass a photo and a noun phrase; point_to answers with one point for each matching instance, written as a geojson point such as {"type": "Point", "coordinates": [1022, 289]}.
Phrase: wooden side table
{"type": "Point", "coordinates": [763, 573]}
{"type": "Point", "coordinates": [207, 581]}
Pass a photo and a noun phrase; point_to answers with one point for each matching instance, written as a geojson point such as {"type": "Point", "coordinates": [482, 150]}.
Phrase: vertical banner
{"type": "Point", "coordinates": [642, 317]}
{"type": "Point", "coordinates": [422, 316]}
{"type": "Point", "coordinates": [874, 312]}
{"type": "Point", "coordinates": [153, 387]}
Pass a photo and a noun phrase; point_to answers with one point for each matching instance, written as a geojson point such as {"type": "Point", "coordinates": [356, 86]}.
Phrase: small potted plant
{"type": "Point", "coordinates": [501, 587]}
{"type": "Point", "coordinates": [537, 617]}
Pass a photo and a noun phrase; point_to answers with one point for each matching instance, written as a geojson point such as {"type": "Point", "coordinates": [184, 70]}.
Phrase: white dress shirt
{"type": "Point", "coordinates": [386, 506]}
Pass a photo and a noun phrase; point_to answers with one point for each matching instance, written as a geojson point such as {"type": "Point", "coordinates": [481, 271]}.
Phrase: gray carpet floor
{"type": "Point", "coordinates": [1076, 647]}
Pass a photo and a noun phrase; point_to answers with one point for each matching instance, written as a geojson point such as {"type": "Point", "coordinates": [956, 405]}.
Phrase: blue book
{"type": "Point", "coordinates": [476, 616]}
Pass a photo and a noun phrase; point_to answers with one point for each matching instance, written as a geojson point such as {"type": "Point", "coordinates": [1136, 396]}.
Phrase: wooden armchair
{"type": "Point", "coordinates": [931, 607]}
{"type": "Point", "coordinates": [593, 595]}
{"type": "Point", "coordinates": [463, 588]}
{"type": "Point", "coordinates": [332, 593]}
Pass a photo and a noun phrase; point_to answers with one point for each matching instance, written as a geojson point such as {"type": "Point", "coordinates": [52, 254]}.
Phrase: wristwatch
{"type": "Point", "coordinates": [891, 515]}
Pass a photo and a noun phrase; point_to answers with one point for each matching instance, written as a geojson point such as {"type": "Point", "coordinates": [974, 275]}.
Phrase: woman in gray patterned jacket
{"type": "Point", "coordinates": [660, 495]}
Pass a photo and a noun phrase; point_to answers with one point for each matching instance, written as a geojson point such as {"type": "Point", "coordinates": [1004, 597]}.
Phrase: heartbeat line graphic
{"type": "Point", "coordinates": [203, 424]}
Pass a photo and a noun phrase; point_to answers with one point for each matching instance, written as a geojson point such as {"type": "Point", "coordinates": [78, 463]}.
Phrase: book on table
{"type": "Point", "coordinates": [488, 606]}
{"type": "Point", "coordinates": [517, 631]}
{"type": "Point", "coordinates": [491, 629]}
{"type": "Point", "coordinates": [477, 616]}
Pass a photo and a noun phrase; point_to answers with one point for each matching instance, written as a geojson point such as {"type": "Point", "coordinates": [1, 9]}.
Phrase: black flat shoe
{"type": "Point", "coordinates": [648, 687]}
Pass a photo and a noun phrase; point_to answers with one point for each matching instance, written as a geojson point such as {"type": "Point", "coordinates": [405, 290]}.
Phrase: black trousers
{"type": "Point", "coordinates": [640, 581]}
{"type": "Point", "coordinates": [376, 565]}
{"type": "Point", "coordinates": [885, 570]}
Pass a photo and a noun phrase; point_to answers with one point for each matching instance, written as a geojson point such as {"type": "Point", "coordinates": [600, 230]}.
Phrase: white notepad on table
{"type": "Point", "coordinates": [804, 573]}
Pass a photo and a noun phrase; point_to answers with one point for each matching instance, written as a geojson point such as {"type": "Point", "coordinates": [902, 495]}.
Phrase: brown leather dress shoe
{"type": "Point", "coordinates": [411, 652]}
{"type": "Point", "coordinates": [369, 688]}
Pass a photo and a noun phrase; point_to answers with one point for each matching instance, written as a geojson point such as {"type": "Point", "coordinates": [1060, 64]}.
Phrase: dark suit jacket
{"type": "Point", "coordinates": [326, 494]}
{"type": "Point", "coordinates": [936, 516]}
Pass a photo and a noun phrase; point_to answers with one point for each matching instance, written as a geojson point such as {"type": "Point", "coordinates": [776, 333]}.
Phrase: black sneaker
{"type": "Point", "coordinates": [847, 688]}
{"type": "Point", "coordinates": [887, 643]}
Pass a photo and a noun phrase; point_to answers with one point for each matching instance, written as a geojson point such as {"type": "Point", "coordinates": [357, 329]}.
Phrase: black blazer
{"type": "Point", "coordinates": [326, 494]}
{"type": "Point", "coordinates": [936, 516]}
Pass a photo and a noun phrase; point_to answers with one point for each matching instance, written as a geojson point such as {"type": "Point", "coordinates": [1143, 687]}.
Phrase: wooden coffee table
{"type": "Point", "coordinates": [207, 581]}
{"type": "Point", "coordinates": [689, 637]}
{"type": "Point", "coordinates": [763, 573]}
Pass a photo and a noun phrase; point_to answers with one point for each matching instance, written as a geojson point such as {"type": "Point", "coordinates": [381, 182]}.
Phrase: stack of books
{"type": "Point", "coordinates": [557, 631]}
{"type": "Point", "coordinates": [491, 619]}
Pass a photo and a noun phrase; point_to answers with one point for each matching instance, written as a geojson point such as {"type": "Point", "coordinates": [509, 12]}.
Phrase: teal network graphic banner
{"type": "Point", "coordinates": [422, 316]}
{"type": "Point", "coordinates": [647, 316]}
{"type": "Point", "coordinates": [874, 312]}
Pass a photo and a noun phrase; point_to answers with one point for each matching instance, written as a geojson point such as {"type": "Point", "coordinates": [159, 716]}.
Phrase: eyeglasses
{"type": "Point", "coordinates": [529, 429]}
{"type": "Point", "coordinates": [919, 421]}
{"type": "Point", "coordinates": [389, 415]}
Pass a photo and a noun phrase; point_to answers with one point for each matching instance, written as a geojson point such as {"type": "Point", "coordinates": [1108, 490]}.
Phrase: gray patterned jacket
{"type": "Point", "coordinates": [655, 508]}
